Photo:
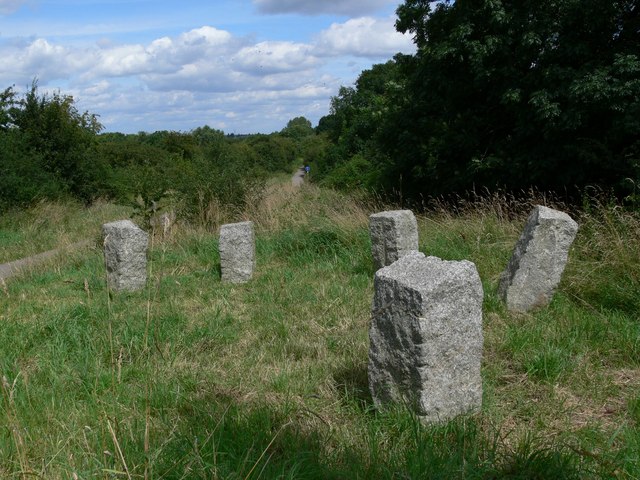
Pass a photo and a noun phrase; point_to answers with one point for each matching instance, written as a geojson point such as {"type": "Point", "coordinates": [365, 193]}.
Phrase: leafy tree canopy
{"type": "Point", "coordinates": [502, 93]}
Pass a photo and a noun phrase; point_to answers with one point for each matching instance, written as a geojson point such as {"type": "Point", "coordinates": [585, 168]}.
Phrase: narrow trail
{"type": "Point", "coordinates": [12, 268]}
{"type": "Point", "coordinates": [298, 178]}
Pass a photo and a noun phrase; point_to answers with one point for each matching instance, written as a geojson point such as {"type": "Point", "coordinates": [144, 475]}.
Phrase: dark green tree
{"type": "Point", "coordinates": [541, 93]}
{"type": "Point", "coordinates": [356, 127]}
{"type": "Point", "coordinates": [298, 128]}
{"type": "Point", "coordinates": [273, 153]}
{"type": "Point", "coordinates": [63, 138]}
{"type": "Point", "coordinates": [47, 148]}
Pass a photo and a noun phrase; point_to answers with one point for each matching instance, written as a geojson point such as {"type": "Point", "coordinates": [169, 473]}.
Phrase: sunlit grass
{"type": "Point", "coordinates": [192, 378]}
{"type": "Point", "coordinates": [51, 225]}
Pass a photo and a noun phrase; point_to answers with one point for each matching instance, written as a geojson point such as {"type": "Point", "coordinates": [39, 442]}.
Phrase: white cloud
{"type": "Point", "coordinates": [164, 55]}
{"type": "Point", "coordinates": [22, 62]}
{"type": "Point", "coordinates": [203, 59]}
{"type": "Point", "coordinates": [316, 7]}
{"type": "Point", "coordinates": [9, 6]}
{"type": "Point", "coordinates": [258, 110]}
{"type": "Point", "coordinates": [275, 57]}
{"type": "Point", "coordinates": [366, 37]}
{"type": "Point", "coordinates": [202, 76]}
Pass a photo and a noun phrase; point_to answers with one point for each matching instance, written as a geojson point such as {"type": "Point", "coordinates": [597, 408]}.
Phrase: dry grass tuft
{"type": "Point", "coordinates": [288, 206]}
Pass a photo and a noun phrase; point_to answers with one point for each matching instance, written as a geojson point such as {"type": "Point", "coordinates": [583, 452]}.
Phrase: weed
{"type": "Point", "coordinates": [193, 378]}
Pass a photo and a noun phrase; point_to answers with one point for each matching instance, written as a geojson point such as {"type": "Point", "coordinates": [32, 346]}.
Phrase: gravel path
{"type": "Point", "coordinates": [298, 177]}
{"type": "Point", "coordinates": [11, 268]}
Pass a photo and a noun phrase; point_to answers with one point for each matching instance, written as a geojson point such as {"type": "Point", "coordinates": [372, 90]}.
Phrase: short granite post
{"type": "Point", "coordinates": [538, 260]}
{"type": "Point", "coordinates": [426, 337]}
{"type": "Point", "coordinates": [125, 255]}
{"type": "Point", "coordinates": [393, 234]}
{"type": "Point", "coordinates": [237, 252]}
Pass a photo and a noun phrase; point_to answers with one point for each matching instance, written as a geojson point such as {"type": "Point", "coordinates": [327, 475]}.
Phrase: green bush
{"type": "Point", "coordinates": [23, 179]}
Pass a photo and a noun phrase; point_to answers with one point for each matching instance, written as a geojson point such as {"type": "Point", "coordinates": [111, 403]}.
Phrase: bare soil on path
{"type": "Point", "coordinates": [298, 178]}
{"type": "Point", "coordinates": [12, 268]}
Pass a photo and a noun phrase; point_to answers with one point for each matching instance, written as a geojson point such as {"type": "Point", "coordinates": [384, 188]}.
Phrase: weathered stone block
{"type": "Point", "coordinates": [393, 234]}
{"type": "Point", "coordinates": [125, 253]}
{"type": "Point", "coordinates": [538, 260]}
{"type": "Point", "coordinates": [237, 252]}
{"type": "Point", "coordinates": [426, 337]}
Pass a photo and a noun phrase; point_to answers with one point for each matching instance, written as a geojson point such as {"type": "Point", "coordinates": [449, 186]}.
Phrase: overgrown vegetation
{"type": "Point", "coordinates": [193, 378]}
{"type": "Point", "coordinates": [500, 94]}
{"type": "Point", "coordinates": [50, 151]}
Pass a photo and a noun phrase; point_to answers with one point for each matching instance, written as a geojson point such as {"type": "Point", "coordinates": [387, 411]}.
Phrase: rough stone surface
{"type": "Point", "coordinates": [426, 337]}
{"type": "Point", "coordinates": [393, 234]}
{"type": "Point", "coordinates": [538, 260]}
{"type": "Point", "coordinates": [237, 252]}
{"type": "Point", "coordinates": [125, 253]}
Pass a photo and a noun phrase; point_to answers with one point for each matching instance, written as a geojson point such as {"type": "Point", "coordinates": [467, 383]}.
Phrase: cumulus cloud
{"type": "Point", "coordinates": [258, 110]}
{"type": "Point", "coordinates": [202, 76]}
{"type": "Point", "coordinates": [204, 59]}
{"type": "Point", "coordinates": [317, 7]}
{"type": "Point", "coordinates": [164, 55]}
{"type": "Point", "coordinates": [365, 37]}
{"type": "Point", "coordinates": [9, 6]}
{"type": "Point", "coordinates": [275, 57]}
{"type": "Point", "coordinates": [40, 58]}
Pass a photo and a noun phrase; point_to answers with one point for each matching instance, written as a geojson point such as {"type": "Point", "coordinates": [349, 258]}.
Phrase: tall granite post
{"type": "Point", "coordinates": [237, 252]}
{"type": "Point", "coordinates": [538, 260]}
{"type": "Point", "coordinates": [393, 234]}
{"type": "Point", "coordinates": [426, 337]}
{"type": "Point", "coordinates": [125, 254]}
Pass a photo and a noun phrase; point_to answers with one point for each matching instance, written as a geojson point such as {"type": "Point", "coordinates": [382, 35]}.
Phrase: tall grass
{"type": "Point", "coordinates": [193, 378]}
{"type": "Point", "coordinates": [51, 225]}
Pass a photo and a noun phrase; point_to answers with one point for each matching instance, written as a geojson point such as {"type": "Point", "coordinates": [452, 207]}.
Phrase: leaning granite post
{"type": "Point", "coordinates": [393, 234]}
{"type": "Point", "coordinates": [426, 337]}
{"type": "Point", "coordinates": [538, 260]}
{"type": "Point", "coordinates": [237, 252]}
{"type": "Point", "coordinates": [125, 255]}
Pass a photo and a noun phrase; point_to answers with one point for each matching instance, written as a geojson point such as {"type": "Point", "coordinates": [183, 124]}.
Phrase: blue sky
{"type": "Point", "coordinates": [242, 66]}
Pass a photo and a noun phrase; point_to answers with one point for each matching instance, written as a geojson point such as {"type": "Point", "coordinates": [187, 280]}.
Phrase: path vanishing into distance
{"type": "Point", "coordinates": [12, 268]}
{"type": "Point", "coordinates": [298, 177]}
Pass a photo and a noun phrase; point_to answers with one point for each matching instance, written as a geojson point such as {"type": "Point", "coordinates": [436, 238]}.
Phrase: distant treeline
{"type": "Point", "coordinates": [507, 95]}
{"type": "Point", "coordinates": [500, 94]}
{"type": "Point", "coordinates": [49, 150]}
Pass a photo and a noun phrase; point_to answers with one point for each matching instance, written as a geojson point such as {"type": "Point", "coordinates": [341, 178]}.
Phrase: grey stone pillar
{"type": "Point", "coordinates": [237, 252]}
{"type": "Point", "coordinates": [393, 234]}
{"type": "Point", "coordinates": [125, 253]}
{"type": "Point", "coordinates": [538, 260]}
{"type": "Point", "coordinates": [426, 337]}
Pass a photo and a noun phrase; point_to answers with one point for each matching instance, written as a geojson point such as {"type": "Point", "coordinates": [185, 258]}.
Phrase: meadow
{"type": "Point", "coordinates": [192, 378]}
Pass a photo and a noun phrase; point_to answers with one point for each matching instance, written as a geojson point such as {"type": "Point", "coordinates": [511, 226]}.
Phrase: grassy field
{"type": "Point", "coordinates": [193, 378]}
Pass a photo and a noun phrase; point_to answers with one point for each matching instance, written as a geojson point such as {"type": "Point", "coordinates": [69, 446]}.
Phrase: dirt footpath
{"type": "Point", "coordinates": [9, 269]}
{"type": "Point", "coordinates": [298, 177]}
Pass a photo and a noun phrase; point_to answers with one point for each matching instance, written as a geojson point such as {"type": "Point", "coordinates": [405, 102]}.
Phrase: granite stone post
{"type": "Point", "coordinates": [125, 254]}
{"type": "Point", "coordinates": [538, 260]}
{"type": "Point", "coordinates": [237, 252]}
{"type": "Point", "coordinates": [426, 337]}
{"type": "Point", "coordinates": [393, 234]}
